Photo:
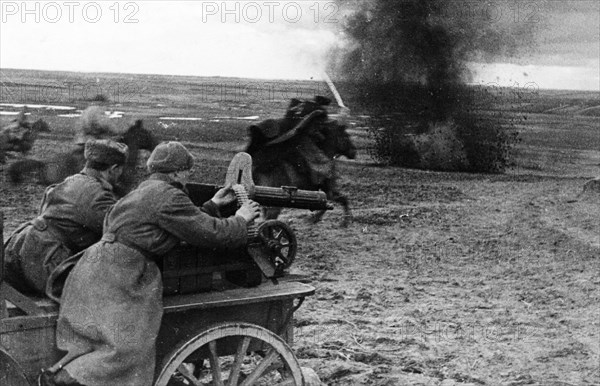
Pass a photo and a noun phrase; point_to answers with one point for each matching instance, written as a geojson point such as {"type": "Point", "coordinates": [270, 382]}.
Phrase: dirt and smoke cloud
{"type": "Point", "coordinates": [407, 61]}
{"type": "Point", "coordinates": [427, 43]}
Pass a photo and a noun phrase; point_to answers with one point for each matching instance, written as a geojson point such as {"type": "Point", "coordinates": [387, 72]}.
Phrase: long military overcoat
{"type": "Point", "coordinates": [111, 305]}
{"type": "Point", "coordinates": [70, 219]}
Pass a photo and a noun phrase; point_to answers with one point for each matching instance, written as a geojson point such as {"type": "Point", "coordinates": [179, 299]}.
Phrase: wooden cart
{"type": "Point", "coordinates": [230, 336]}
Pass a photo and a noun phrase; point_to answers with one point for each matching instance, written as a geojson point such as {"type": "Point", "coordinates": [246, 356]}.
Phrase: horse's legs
{"type": "Point", "coordinates": [336, 196]}
{"type": "Point", "coordinates": [343, 200]}
{"type": "Point", "coordinates": [318, 216]}
{"type": "Point", "coordinates": [329, 187]}
{"type": "Point", "coordinates": [340, 199]}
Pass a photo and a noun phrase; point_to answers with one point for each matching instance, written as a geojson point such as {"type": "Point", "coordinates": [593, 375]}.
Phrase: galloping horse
{"type": "Point", "coordinates": [20, 135]}
{"type": "Point", "coordinates": [300, 150]}
{"type": "Point", "coordinates": [63, 165]}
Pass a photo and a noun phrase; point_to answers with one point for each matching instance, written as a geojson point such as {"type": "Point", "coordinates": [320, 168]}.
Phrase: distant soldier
{"type": "Point", "coordinates": [70, 218]}
{"type": "Point", "coordinates": [94, 124]}
{"type": "Point", "coordinates": [18, 127]}
{"type": "Point", "coordinates": [13, 133]}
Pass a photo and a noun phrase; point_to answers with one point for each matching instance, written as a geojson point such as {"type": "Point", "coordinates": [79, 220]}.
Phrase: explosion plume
{"type": "Point", "coordinates": [408, 59]}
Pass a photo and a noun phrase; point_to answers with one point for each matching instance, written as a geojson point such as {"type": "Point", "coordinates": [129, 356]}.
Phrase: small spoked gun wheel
{"type": "Point", "coordinates": [232, 354]}
{"type": "Point", "coordinates": [279, 240]}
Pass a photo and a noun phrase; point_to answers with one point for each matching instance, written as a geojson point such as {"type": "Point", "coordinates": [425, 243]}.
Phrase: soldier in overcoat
{"type": "Point", "coordinates": [111, 304]}
{"type": "Point", "coordinates": [70, 218]}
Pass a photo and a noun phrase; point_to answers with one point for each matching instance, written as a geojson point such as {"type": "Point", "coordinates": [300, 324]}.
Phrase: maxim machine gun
{"type": "Point", "coordinates": [271, 246]}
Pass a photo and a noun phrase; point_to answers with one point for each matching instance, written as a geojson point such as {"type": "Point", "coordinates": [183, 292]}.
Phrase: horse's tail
{"type": "Point", "coordinates": [19, 169]}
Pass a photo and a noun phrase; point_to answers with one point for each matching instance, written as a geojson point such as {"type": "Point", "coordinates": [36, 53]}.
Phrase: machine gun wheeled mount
{"type": "Point", "coordinates": [271, 246]}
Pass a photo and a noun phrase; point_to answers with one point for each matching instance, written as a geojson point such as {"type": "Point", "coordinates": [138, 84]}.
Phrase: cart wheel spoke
{"type": "Point", "coordinates": [215, 366]}
{"type": "Point", "coordinates": [239, 358]}
{"type": "Point", "coordinates": [184, 371]}
{"type": "Point", "coordinates": [261, 368]}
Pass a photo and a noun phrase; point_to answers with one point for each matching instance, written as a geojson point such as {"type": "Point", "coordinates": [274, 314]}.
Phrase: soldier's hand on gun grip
{"type": "Point", "coordinates": [249, 211]}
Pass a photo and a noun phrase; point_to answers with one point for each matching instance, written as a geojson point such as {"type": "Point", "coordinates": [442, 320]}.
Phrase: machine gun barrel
{"type": "Point", "coordinates": [291, 197]}
{"type": "Point", "coordinates": [284, 197]}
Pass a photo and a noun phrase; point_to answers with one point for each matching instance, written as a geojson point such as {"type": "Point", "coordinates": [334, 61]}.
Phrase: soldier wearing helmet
{"type": "Point", "coordinates": [143, 226]}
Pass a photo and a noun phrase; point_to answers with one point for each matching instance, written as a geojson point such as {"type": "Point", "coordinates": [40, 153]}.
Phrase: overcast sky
{"type": "Point", "coordinates": [261, 39]}
{"type": "Point", "coordinates": [279, 40]}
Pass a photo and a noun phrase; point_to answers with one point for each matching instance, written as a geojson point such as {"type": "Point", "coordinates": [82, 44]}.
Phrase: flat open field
{"type": "Point", "coordinates": [441, 278]}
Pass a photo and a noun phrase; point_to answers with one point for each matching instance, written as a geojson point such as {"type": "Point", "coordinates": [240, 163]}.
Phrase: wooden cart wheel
{"type": "Point", "coordinates": [280, 240]}
{"type": "Point", "coordinates": [10, 372]}
{"type": "Point", "coordinates": [273, 363]}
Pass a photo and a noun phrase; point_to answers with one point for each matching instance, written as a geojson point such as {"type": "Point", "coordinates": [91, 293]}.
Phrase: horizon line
{"type": "Point", "coordinates": [471, 83]}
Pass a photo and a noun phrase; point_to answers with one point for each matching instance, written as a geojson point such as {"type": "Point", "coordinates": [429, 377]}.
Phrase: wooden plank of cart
{"type": "Point", "coordinates": [229, 336]}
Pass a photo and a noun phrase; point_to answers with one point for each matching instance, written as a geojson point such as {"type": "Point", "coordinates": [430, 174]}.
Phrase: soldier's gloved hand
{"type": "Point", "coordinates": [224, 196]}
{"type": "Point", "coordinates": [249, 211]}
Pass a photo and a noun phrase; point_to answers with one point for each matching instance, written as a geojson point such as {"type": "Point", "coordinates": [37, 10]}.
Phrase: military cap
{"type": "Point", "coordinates": [106, 151]}
{"type": "Point", "coordinates": [170, 157]}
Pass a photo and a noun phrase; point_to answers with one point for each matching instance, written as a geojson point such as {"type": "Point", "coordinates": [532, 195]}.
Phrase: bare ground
{"type": "Point", "coordinates": [456, 280]}
{"type": "Point", "coordinates": [441, 278]}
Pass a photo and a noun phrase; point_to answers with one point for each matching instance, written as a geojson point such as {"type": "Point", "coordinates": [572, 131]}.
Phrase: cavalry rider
{"type": "Point", "coordinates": [111, 304]}
{"type": "Point", "coordinates": [70, 218]}
{"type": "Point", "coordinates": [311, 114]}
{"type": "Point", "coordinates": [304, 151]}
